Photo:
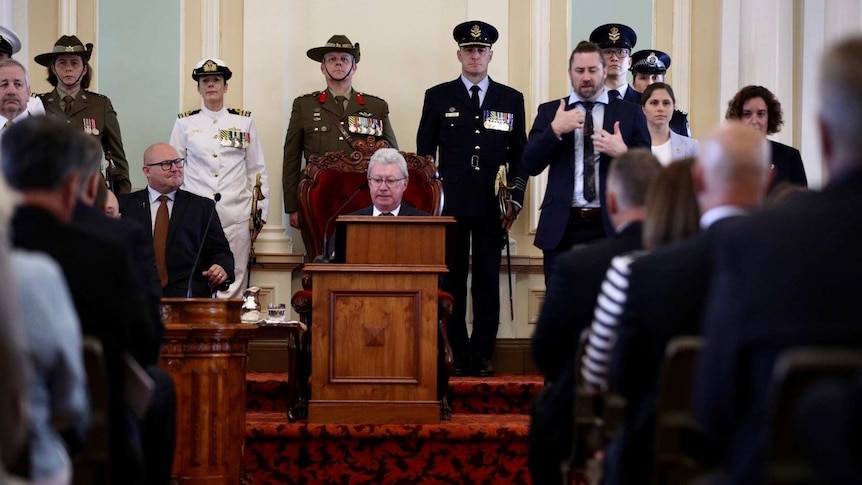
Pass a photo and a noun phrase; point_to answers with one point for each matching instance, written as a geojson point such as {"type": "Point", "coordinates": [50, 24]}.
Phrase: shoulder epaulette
{"type": "Point", "coordinates": [95, 94]}
{"type": "Point", "coordinates": [684, 113]}
{"type": "Point", "coordinates": [189, 113]}
{"type": "Point", "coordinates": [370, 96]}
{"type": "Point", "coordinates": [241, 112]}
{"type": "Point", "coordinates": [310, 94]}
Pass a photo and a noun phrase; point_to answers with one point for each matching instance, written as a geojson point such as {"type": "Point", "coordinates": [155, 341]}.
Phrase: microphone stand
{"type": "Point", "coordinates": [325, 257]}
{"type": "Point", "coordinates": [216, 197]}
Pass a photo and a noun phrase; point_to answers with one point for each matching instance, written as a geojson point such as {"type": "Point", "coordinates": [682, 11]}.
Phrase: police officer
{"type": "Point", "coordinates": [332, 119]}
{"type": "Point", "coordinates": [10, 44]}
{"type": "Point", "coordinates": [617, 42]}
{"type": "Point", "coordinates": [649, 66]}
{"type": "Point", "coordinates": [223, 156]}
{"type": "Point", "coordinates": [478, 127]}
{"type": "Point", "coordinates": [69, 72]}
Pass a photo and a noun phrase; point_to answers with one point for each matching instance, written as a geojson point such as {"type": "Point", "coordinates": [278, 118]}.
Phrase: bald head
{"type": "Point", "coordinates": [840, 116]}
{"type": "Point", "coordinates": [733, 167]}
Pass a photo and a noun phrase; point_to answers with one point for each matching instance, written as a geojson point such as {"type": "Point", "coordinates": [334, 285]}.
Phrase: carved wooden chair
{"type": "Point", "coordinates": [328, 182]}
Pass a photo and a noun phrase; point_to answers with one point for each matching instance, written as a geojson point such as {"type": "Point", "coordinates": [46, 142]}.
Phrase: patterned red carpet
{"type": "Point", "coordinates": [484, 443]}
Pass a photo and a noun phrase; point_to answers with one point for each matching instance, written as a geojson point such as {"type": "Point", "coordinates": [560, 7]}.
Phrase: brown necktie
{"type": "Point", "coordinates": [67, 101]}
{"type": "Point", "coordinates": [8, 124]}
{"type": "Point", "coordinates": [160, 238]}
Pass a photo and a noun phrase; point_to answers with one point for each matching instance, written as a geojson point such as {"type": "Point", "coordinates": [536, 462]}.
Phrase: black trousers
{"type": "Point", "coordinates": [485, 237]}
{"type": "Point", "coordinates": [578, 231]}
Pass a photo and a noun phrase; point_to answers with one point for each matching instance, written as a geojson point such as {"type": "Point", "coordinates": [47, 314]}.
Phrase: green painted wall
{"type": "Point", "coordinates": [139, 70]}
{"type": "Point", "coordinates": [637, 14]}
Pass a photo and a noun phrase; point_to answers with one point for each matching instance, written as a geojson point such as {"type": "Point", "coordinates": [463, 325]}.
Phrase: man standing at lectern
{"type": "Point", "coordinates": [478, 127]}
{"type": "Point", "coordinates": [387, 180]}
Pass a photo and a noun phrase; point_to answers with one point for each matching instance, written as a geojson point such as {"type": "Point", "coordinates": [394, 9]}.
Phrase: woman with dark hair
{"type": "Point", "coordinates": [758, 107]}
{"type": "Point", "coordinates": [658, 103]}
{"type": "Point", "coordinates": [70, 73]}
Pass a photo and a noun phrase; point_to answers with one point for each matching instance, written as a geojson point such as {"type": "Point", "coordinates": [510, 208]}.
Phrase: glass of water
{"type": "Point", "coordinates": [276, 311]}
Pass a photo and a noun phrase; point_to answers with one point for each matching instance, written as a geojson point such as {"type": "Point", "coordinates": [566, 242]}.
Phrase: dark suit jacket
{"type": "Point", "coordinates": [450, 123]}
{"type": "Point", "coordinates": [98, 110]}
{"type": "Point", "coordinates": [783, 278]}
{"type": "Point", "coordinates": [406, 210]}
{"type": "Point", "coordinates": [189, 218]}
{"type": "Point", "coordinates": [133, 238]}
{"type": "Point", "coordinates": [788, 164]}
{"type": "Point", "coordinates": [665, 299]}
{"type": "Point", "coordinates": [571, 297]}
{"type": "Point", "coordinates": [545, 149]}
{"type": "Point", "coordinates": [568, 309]}
{"type": "Point", "coordinates": [109, 306]}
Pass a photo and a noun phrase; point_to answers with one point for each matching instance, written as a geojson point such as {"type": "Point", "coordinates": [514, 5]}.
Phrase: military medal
{"type": "Point", "coordinates": [498, 121]}
{"type": "Point", "coordinates": [90, 126]}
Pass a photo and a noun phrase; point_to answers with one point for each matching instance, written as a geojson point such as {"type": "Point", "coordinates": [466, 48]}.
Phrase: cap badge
{"type": "Point", "coordinates": [70, 48]}
{"type": "Point", "coordinates": [475, 32]}
{"type": "Point", "coordinates": [614, 34]}
{"type": "Point", "coordinates": [210, 66]}
{"type": "Point", "coordinates": [652, 59]}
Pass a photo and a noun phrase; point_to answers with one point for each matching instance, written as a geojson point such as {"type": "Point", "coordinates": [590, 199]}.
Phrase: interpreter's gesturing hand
{"type": "Point", "coordinates": [567, 121]}
{"type": "Point", "coordinates": [610, 144]}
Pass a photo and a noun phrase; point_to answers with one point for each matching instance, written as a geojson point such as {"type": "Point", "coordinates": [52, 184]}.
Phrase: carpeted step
{"type": "Point", "coordinates": [505, 394]}
{"type": "Point", "coordinates": [471, 448]}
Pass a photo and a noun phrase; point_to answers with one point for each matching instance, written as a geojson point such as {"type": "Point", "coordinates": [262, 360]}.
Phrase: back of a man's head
{"type": "Point", "coordinates": [630, 175]}
{"type": "Point", "coordinates": [841, 105]}
{"type": "Point", "coordinates": [40, 153]}
{"type": "Point", "coordinates": [733, 167]}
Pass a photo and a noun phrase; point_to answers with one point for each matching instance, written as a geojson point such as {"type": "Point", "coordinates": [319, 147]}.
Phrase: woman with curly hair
{"type": "Point", "coordinates": [758, 107]}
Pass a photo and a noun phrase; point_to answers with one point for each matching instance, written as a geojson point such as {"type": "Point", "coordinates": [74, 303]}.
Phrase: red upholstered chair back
{"type": "Point", "coordinates": [331, 179]}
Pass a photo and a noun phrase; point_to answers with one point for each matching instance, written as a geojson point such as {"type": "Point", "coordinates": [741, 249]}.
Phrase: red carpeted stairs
{"type": "Point", "coordinates": [485, 442]}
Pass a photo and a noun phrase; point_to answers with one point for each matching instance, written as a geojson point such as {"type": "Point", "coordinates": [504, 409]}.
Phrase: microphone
{"type": "Point", "coordinates": [325, 257]}
{"type": "Point", "coordinates": [216, 197]}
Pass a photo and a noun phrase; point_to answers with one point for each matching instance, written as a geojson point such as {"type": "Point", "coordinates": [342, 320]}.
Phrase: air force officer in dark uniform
{"type": "Point", "coordinates": [478, 127]}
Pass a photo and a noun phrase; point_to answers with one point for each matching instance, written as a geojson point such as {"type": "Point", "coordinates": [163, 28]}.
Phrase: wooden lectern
{"type": "Point", "coordinates": [205, 351]}
{"type": "Point", "coordinates": [374, 336]}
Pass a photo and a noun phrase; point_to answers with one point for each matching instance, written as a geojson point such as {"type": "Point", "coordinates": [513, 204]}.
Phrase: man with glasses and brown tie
{"type": "Point", "coordinates": [182, 225]}
{"type": "Point", "coordinates": [577, 137]}
{"type": "Point", "coordinates": [617, 42]}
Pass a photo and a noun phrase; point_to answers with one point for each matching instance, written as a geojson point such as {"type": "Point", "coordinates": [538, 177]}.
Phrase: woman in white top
{"type": "Point", "coordinates": [658, 103]}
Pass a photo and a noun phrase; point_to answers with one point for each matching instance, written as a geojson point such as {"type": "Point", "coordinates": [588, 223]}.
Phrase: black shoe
{"type": "Point", "coordinates": [461, 367]}
{"type": "Point", "coordinates": [460, 371]}
{"type": "Point", "coordinates": [483, 368]}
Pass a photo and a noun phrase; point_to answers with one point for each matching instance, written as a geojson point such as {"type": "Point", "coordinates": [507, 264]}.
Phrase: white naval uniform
{"type": "Point", "coordinates": [224, 155]}
{"type": "Point", "coordinates": [35, 106]}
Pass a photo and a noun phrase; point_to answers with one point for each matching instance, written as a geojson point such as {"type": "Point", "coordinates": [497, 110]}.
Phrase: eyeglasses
{"type": "Point", "coordinates": [621, 53]}
{"type": "Point", "coordinates": [375, 182]}
{"type": "Point", "coordinates": [166, 165]}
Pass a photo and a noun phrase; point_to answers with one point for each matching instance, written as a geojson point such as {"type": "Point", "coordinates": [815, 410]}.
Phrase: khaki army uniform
{"type": "Point", "coordinates": [94, 114]}
{"type": "Point", "coordinates": [313, 130]}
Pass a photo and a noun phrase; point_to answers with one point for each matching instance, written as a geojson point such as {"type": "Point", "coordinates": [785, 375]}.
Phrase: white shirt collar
{"type": "Point", "coordinates": [483, 84]}
{"type": "Point", "coordinates": [376, 212]}
{"type": "Point", "coordinates": [601, 98]}
{"type": "Point", "coordinates": [155, 194]}
{"type": "Point", "coordinates": [716, 214]}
